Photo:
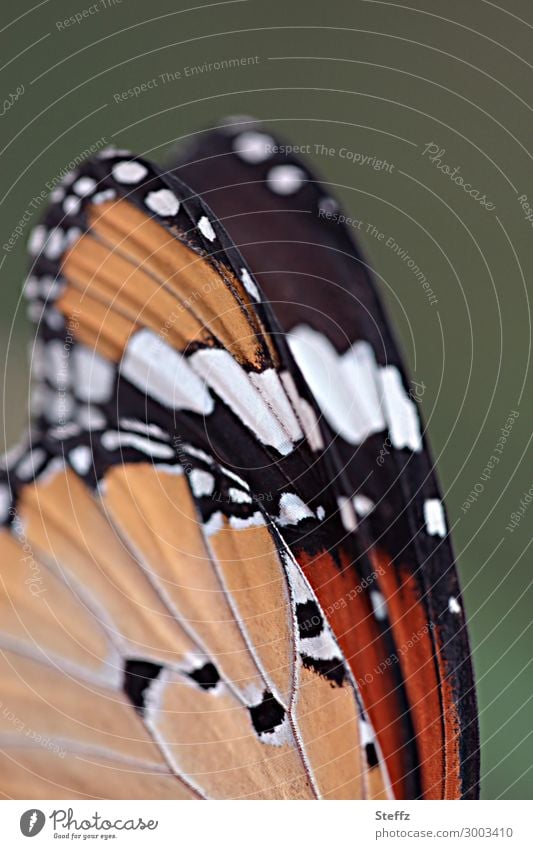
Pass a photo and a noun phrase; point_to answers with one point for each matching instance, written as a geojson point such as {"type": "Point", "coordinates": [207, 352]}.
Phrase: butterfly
{"type": "Point", "coordinates": [226, 570]}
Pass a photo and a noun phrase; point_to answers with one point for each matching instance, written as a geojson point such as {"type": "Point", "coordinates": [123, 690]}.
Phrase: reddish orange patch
{"type": "Point", "coordinates": [415, 652]}
{"type": "Point", "coordinates": [348, 610]}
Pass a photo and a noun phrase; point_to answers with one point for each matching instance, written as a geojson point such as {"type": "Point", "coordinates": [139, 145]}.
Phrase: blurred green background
{"type": "Point", "coordinates": [376, 78]}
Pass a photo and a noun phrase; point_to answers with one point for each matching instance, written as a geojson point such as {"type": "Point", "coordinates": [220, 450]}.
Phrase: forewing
{"type": "Point", "coordinates": [308, 265]}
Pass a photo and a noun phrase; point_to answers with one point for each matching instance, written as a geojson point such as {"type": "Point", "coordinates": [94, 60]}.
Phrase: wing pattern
{"type": "Point", "coordinates": [224, 599]}
{"type": "Point", "coordinates": [173, 585]}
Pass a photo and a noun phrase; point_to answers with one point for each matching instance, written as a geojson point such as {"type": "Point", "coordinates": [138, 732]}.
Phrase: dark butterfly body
{"type": "Point", "coordinates": [276, 595]}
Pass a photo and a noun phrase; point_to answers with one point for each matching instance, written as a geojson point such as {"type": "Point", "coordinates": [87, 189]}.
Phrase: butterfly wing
{"type": "Point", "coordinates": [291, 232]}
{"type": "Point", "coordinates": [169, 359]}
{"type": "Point", "coordinates": [130, 673]}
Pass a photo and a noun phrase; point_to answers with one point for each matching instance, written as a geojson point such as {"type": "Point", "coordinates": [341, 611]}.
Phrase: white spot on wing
{"type": "Point", "coordinates": [146, 428]}
{"type": "Point", "coordinates": [434, 517]}
{"type": "Point", "coordinates": [400, 411]}
{"type": "Point", "coordinates": [94, 376]}
{"type": "Point", "coordinates": [285, 179]}
{"type": "Point", "coordinates": [90, 418]}
{"type": "Point", "coordinates": [114, 439]}
{"type": "Point", "coordinates": [37, 239]}
{"type": "Point", "coordinates": [233, 476]}
{"type": "Point", "coordinates": [252, 521]}
{"type": "Point", "coordinates": [346, 511]}
{"type": "Point", "coordinates": [328, 205]}
{"type": "Point", "coordinates": [363, 505]}
{"type": "Point", "coordinates": [56, 364]}
{"type": "Point", "coordinates": [322, 647]}
{"type": "Point", "coordinates": [57, 406]}
{"type": "Point", "coordinates": [65, 431]}
{"type": "Point", "coordinates": [249, 284]}
{"type": "Point", "coordinates": [27, 467]}
{"type": "Point", "coordinates": [111, 151]}
{"type": "Point", "coordinates": [358, 397]}
{"type": "Point", "coordinates": [71, 205]}
{"type": "Point", "coordinates": [162, 373]}
{"type": "Point", "coordinates": [50, 287]}
{"type": "Point", "coordinates": [72, 234]}
{"type": "Point", "coordinates": [197, 452]}
{"type": "Point", "coordinates": [54, 244]}
{"type": "Point", "coordinates": [214, 524]}
{"type": "Point", "coordinates": [202, 482]}
{"type": "Point", "coordinates": [169, 468]}
{"type": "Point", "coordinates": [453, 605]}
{"type": "Point", "coordinates": [238, 496]}
{"type": "Point", "coordinates": [305, 413]}
{"type": "Point", "coordinates": [281, 735]}
{"type": "Point", "coordinates": [129, 173]}
{"type": "Point", "coordinates": [163, 202]}
{"type": "Point", "coordinates": [84, 186]}
{"type": "Point", "coordinates": [292, 510]}
{"type": "Point", "coordinates": [253, 147]}
{"type": "Point", "coordinates": [81, 459]}
{"type": "Point", "coordinates": [230, 123]}
{"type": "Point", "coordinates": [206, 228]}
{"type": "Point", "coordinates": [343, 384]}
{"type": "Point", "coordinates": [269, 385]}
{"type": "Point", "coordinates": [379, 605]}
{"type": "Point", "coordinates": [366, 732]}
{"type": "Point", "coordinates": [232, 383]}
{"type": "Point", "coordinates": [53, 318]}
{"type": "Point", "coordinates": [300, 589]}
{"type": "Point", "coordinates": [54, 467]}
{"type": "Point", "coordinates": [104, 195]}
